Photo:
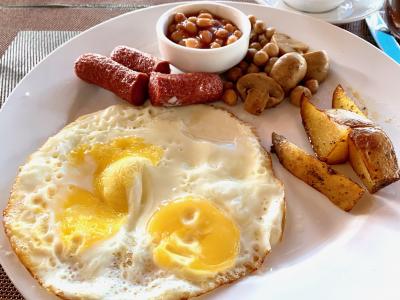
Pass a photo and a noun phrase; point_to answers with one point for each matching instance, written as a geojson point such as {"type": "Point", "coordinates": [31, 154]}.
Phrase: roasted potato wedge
{"type": "Point", "coordinates": [349, 118]}
{"type": "Point", "coordinates": [373, 158]}
{"type": "Point", "coordinates": [328, 138]}
{"type": "Point", "coordinates": [340, 190]}
{"type": "Point", "coordinates": [341, 100]}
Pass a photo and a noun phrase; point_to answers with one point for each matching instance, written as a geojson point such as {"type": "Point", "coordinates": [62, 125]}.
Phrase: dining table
{"type": "Point", "coordinates": [31, 29]}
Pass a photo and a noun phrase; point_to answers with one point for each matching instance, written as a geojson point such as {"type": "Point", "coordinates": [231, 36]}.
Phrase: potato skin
{"type": "Point", "coordinates": [373, 158]}
{"type": "Point", "coordinates": [349, 118]}
{"type": "Point", "coordinates": [340, 190]}
{"type": "Point", "coordinates": [342, 101]}
{"type": "Point", "coordinates": [328, 138]}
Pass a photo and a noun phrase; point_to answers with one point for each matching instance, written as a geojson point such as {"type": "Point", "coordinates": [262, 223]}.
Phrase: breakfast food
{"type": "Point", "coordinates": [139, 61]}
{"type": "Point", "coordinates": [202, 30]}
{"type": "Point", "coordinates": [341, 100]}
{"type": "Point", "coordinates": [317, 65]}
{"type": "Point", "coordinates": [289, 70]}
{"type": "Point", "coordinates": [184, 89]}
{"type": "Point", "coordinates": [338, 135]}
{"type": "Point", "coordinates": [372, 157]}
{"type": "Point", "coordinates": [340, 190]}
{"type": "Point", "coordinates": [288, 44]}
{"type": "Point", "coordinates": [281, 58]}
{"type": "Point", "coordinates": [259, 91]}
{"type": "Point", "coordinates": [328, 138]}
{"type": "Point", "coordinates": [145, 203]}
{"type": "Point", "coordinates": [297, 94]}
{"type": "Point", "coordinates": [328, 130]}
{"type": "Point", "coordinates": [110, 75]}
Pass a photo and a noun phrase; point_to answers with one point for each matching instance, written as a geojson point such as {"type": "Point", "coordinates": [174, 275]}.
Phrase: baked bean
{"type": "Point", "coordinates": [255, 45]}
{"type": "Point", "coordinates": [250, 54]}
{"type": "Point", "coordinates": [203, 22]}
{"type": "Point", "coordinates": [269, 32]}
{"type": "Point", "coordinates": [252, 19]}
{"type": "Point", "coordinates": [190, 27]}
{"type": "Point", "coordinates": [271, 49]}
{"type": "Point", "coordinates": [215, 45]}
{"type": "Point", "coordinates": [228, 85]}
{"type": "Point", "coordinates": [253, 37]}
{"type": "Point", "coordinates": [237, 33]}
{"type": "Point", "coordinates": [252, 69]}
{"type": "Point", "coordinates": [230, 97]}
{"type": "Point", "coordinates": [219, 41]}
{"type": "Point", "coordinates": [205, 36]}
{"type": "Point", "coordinates": [259, 26]}
{"type": "Point", "coordinates": [205, 15]}
{"type": "Point", "coordinates": [171, 28]}
{"type": "Point", "coordinates": [230, 27]}
{"type": "Point", "coordinates": [222, 33]}
{"type": "Point", "coordinates": [243, 65]}
{"type": "Point", "coordinates": [217, 23]}
{"type": "Point", "coordinates": [312, 85]}
{"type": "Point", "coordinates": [260, 58]}
{"type": "Point", "coordinates": [231, 39]}
{"type": "Point", "coordinates": [262, 39]}
{"type": "Point", "coordinates": [270, 64]}
{"type": "Point", "coordinates": [192, 43]}
{"type": "Point", "coordinates": [178, 35]}
{"type": "Point", "coordinates": [179, 17]}
{"type": "Point", "coordinates": [234, 74]}
{"type": "Point", "coordinates": [202, 30]}
{"type": "Point", "coordinates": [192, 19]}
{"type": "Point", "coordinates": [224, 21]}
{"type": "Point", "coordinates": [263, 43]}
{"type": "Point", "coordinates": [180, 26]}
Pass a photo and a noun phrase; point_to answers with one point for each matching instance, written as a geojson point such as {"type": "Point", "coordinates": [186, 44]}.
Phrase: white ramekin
{"type": "Point", "coordinates": [204, 60]}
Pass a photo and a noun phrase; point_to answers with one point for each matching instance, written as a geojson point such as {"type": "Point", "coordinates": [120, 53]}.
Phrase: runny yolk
{"type": "Point", "coordinates": [193, 236]}
{"type": "Point", "coordinates": [88, 217]}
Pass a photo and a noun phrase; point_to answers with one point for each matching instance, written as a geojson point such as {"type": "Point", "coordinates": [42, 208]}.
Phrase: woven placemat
{"type": "Point", "coordinates": [27, 49]}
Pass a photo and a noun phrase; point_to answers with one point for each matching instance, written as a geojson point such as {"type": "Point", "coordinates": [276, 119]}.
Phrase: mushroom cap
{"type": "Point", "coordinates": [289, 70]}
{"type": "Point", "coordinates": [259, 91]}
{"type": "Point", "coordinates": [287, 44]}
{"type": "Point", "coordinates": [317, 65]}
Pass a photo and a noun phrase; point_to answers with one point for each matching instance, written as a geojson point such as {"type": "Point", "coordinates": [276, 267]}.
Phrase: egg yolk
{"type": "Point", "coordinates": [193, 236]}
{"type": "Point", "coordinates": [88, 217]}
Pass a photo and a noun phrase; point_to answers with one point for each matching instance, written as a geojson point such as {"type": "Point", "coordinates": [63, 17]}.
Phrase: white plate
{"type": "Point", "coordinates": [348, 11]}
{"type": "Point", "coordinates": [325, 253]}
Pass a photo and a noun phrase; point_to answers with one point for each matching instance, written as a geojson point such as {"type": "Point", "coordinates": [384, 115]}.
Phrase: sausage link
{"type": "Point", "coordinates": [110, 75]}
{"type": "Point", "coordinates": [139, 61]}
{"type": "Point", "coordinates": [184, 89]}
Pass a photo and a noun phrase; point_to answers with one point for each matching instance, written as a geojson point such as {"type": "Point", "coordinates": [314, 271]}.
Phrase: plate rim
{"type": "Point", "coordinates": [10, 96]}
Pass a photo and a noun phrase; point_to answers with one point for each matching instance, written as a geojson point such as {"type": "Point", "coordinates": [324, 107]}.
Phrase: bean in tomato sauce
{"type": "Point", "coordinates": [202, 30]}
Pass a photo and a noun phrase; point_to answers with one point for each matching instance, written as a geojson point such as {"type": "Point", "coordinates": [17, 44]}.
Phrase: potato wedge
{"type": "Point", "coordinates": [341, 100]}
{"type": "Point", "coordinates": [349, 118]}
{"type": "Point", "coordinates": [328, 138]}
{"type": "Point", "coordinates": [373, 158]}
{"type": "Point", "coordinates": [340, 190]}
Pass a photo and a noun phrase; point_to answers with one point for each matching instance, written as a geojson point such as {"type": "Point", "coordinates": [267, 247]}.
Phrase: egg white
{"type": "Point", "coordinates": [207, 153]}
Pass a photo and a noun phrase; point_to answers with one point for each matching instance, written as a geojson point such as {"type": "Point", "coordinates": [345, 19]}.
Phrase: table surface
{"type": "Point", "coordinates": [78, 15]}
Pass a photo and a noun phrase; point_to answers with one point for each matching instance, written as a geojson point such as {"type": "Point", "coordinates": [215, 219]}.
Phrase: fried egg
{"type": "Point", "coordinates": [145, 203]}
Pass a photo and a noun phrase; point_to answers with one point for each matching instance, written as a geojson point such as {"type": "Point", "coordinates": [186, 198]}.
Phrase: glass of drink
{"type": "Point", "coordinates": [392, 11]}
